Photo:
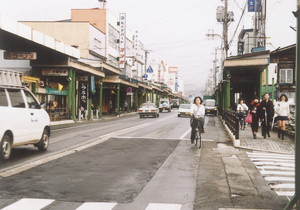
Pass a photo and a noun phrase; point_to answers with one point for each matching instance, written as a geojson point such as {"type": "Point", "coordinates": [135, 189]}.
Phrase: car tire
{"type": "Point", "coordinates": [140, 116]}
{"type": "Point", "coordinates": [5, 150]}
{"type": "Point", "coordinates": [178, 115]}
{"type": "Point", "coordinates": [44, 142]}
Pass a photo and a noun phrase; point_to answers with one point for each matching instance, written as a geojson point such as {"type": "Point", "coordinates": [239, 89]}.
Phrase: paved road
{"type": "Point", "coordinates": [126, 163]}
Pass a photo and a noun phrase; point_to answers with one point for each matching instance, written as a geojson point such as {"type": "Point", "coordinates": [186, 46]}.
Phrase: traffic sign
{"type": "Point", "coordinates": [145, 76]}
{"type": "Point", "coordinates": [149, 70]}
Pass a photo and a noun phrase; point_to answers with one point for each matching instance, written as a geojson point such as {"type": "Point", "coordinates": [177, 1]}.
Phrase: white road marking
{"type": "Point", "coordinates": [285, 193]}
{"type": "Point", "coordinates": [283, 186]}
{"type": "Point", "coordinates": [264, 159]}
{"type": "Point", "coordinates": [274, 164]}
{"type": "Point", "coordinates": [97, 205]}
{"type": "Point", "coordinates": [183, 135]}
{"type": "Point", "coordinates": [163, 206]}
{"type": "Point", "coordinates": [286, 173]}
{"type": "Point", "coordinates": [279, 179]}
{"type": "Point", "coordinates": [275, 168]}
{"type": "Point", "coordinates": [29, 204]}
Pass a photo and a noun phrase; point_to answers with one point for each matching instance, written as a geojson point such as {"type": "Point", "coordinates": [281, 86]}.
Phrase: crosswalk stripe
{"type": "Point", "coordinates": [285, 193]}
{"type": "Point", "coordinates": [29, 204]}
{"type": "Point", "coordinates": [277, 169]}
{"type": "Point", "coordinates": [283, 186]}
{"type": "Point", "coordinates": [163, 206]}
{"type": "Point", "coordinates": [265, 159]}
{"type": "Point", "coordinates": [275, 164]}
{"type": "Point", "coordinates": [279, 179]}
{"type": "Point", "coordinates": [97, 205]}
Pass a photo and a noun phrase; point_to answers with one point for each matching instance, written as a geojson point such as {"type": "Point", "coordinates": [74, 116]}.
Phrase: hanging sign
{"type": "Point", "coordinates": [122, 58]}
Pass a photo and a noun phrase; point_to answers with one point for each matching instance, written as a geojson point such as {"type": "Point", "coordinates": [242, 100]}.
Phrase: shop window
{"type": "Point", "coordinates": [286, 76]}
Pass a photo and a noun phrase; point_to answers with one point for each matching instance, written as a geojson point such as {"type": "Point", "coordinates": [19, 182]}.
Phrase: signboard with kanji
{"type": "Point", "coordinates": [122, 58]}
{"type": "Point", "coordinates": [20, 55]}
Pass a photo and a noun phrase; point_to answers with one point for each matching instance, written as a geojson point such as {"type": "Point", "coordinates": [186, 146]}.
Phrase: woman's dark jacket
{"type": "Point", "coordinates": [256, 107]}
{"type": "Point", "coordinates": [269, 109]}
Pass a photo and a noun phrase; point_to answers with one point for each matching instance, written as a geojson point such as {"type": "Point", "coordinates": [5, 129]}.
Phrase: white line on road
{"type": "Point", "coordinates": [283, 186]}
{"type": "Point", "coordinates": [29, 204]}
{"type": "Point", "coordinates": [275, 168]}
{"type": "Point", "coordinates": [279, 179]}
{"type": "Point", "coordinates": [97, 205]}
{"type": "Point", "coordinates": [284, 173]}
{"type": "Point", "coordinates": [163, 206]}
{"type": "Point", "coordinates": [182, 137]}
{"type": "Point", "coordinates": [292, 165]}
{"type": "Point", "coordinates": [285, 193]}
{"type": "Point", "coordinates": [272, 160]}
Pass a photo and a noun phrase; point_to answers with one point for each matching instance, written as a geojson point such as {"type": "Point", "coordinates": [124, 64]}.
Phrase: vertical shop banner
{"type": "Point", "coordinates": [122, 58]}
{"type": "Point", "coordinates": [176, 82]}
{"type": "Point", "coordinates": [251, 5]}
{"type": "Point", "coordinates": [83, 94]}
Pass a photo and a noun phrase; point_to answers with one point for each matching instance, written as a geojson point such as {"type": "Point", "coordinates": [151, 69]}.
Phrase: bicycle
{"type": "Point", "coordinates": [198, 135]}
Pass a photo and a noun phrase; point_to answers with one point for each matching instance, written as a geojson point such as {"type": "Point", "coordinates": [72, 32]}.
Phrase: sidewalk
{"type": "Point", "coordinates": [270, 144]}
{"type": "Point", "coordinates": [105, 117]}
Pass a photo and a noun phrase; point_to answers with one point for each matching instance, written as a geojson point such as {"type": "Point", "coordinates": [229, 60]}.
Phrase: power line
{"type": "Point", "coordinates": [237, 27]}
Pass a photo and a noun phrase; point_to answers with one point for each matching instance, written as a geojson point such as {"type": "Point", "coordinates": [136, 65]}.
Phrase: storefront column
{"type": "Point", "coordinates": [227, 94]}
{"type": "Point", "coordinates": [33, 85]}
{"type": "Point", "coordinates": [136, 100]}
{"type": "Point", "coordinates": [267, 80]}
{"type": "Point", "coordinates": [100, 98]}
{"type": "Point", "coordinates": [260, 85]}
{"type": "Point", "coordinates": [89, 106]}
{"type": "Point", "coordinates": [152, 96]}
{"type": "Point", "coordinates": [273, 95]}
{"type": "Point", "coordinates": [71, 93]}
{"type": "Point", "coordinates": [118, 99]}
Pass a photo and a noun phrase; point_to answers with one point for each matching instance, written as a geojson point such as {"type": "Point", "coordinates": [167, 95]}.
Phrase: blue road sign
{"type": "Point", "coordinates": [145, 76]}
{"type": "Point", "coordinates": [149, 70]}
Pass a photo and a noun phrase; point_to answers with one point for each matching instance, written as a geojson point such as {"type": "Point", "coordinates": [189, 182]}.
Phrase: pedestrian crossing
{"type": "Point", "coordinates": [38, 204]}
{"type": "Point", "coordinates": [277, 169]}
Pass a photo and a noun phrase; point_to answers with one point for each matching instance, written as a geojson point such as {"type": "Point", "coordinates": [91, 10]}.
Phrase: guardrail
{"type": "Point", "coordinates": [232, 121]}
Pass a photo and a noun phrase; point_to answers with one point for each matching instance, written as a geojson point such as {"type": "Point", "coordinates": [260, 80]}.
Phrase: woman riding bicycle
{"type": "Point", "coordinates": [242, 110]}
{"type": "Point", "coordinates": [197, 115]}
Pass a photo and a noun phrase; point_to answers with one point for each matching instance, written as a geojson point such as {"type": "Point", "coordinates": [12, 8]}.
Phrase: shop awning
{"type": "Point", "coordinates": [116, 80]}
{"type": "Point", "coordinates": [144, 86]}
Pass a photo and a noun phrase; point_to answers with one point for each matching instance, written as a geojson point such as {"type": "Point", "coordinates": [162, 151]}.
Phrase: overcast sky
{"type": "Point", "coordinates": [173, 30]}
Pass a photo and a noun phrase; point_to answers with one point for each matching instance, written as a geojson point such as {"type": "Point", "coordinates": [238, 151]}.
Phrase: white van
{"type": "Point", "coordinates": [23, 121]}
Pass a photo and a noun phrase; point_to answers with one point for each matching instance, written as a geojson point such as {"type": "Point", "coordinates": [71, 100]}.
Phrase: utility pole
{"type": "Point", "coordinates": [225, 28]}
{"type": "Point", "coordinates": [146, 57]}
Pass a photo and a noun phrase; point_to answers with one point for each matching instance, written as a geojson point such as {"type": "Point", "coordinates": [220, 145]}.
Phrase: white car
{"type": "Point", "coordinates": [148, 109]}
{"type": "Point", "coordinates": [164, 104]}
{"type": "Point", "coordinates": [22, 120]}
{"type": "Point", "coordinates": [184, 110]}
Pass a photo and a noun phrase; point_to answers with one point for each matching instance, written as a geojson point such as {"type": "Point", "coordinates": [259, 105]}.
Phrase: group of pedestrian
{"type": "Point", "coordinates": [264, 112]}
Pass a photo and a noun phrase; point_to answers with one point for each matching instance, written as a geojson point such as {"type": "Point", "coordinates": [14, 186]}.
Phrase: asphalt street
{"type": "Point", "coordinates": [133, 163]}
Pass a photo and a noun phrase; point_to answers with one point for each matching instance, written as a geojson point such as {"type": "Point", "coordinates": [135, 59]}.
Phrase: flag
{"type": "Point", "coordinates": [59, 86]}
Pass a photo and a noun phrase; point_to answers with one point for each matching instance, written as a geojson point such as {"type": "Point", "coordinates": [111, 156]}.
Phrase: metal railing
{"type": "Point", "coordinates": [232, 121]}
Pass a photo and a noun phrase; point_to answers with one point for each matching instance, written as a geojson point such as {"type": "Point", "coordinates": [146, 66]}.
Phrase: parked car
{"type": "Point", "coordinates": [164, 105]}
{"type": "Point", "coordinates": [210, 106]}
{"type": "Point", "coordinates": [184, 110]}
{"type": "Point", "coordinates": [175, 103]}
{"type": "Point", "coordinates": [23, 121]}
{"type": "Point", "coordinates": [148, 109]}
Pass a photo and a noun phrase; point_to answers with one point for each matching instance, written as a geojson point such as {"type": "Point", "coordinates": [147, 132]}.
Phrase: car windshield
{"type": "Point", "coordinates": [210, 103]}
{"type": "Point", "coordinates": [163, 102]}
{"type": "Point", "coordinates": [185, 106]}
{"type": "Point", "coordinates": [148, 105]}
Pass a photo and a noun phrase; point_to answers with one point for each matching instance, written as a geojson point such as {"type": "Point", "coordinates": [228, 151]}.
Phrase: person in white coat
{"type": "Point", "coordinates": [197, 115]}
{"type": "Point", "coordinates": [282, 109]}
{"type": "Point", "coordinates": [242, 110]}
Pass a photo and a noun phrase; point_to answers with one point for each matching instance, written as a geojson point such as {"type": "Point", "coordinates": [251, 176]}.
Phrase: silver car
{"type": "Point", "coordinates": [148, 109]}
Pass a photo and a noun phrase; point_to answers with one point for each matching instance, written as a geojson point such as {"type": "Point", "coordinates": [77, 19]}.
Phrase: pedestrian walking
{"type": "Point", "coordinates": [267, 114]}
{"type": "Point", "coordinates": [242, 110]}
{"type": "Point", "coordinates": [282, 109]}
{"type": "Point", "coordinates": [254, 110]}
{"type": "Point", "coordinates": [197, 115]}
